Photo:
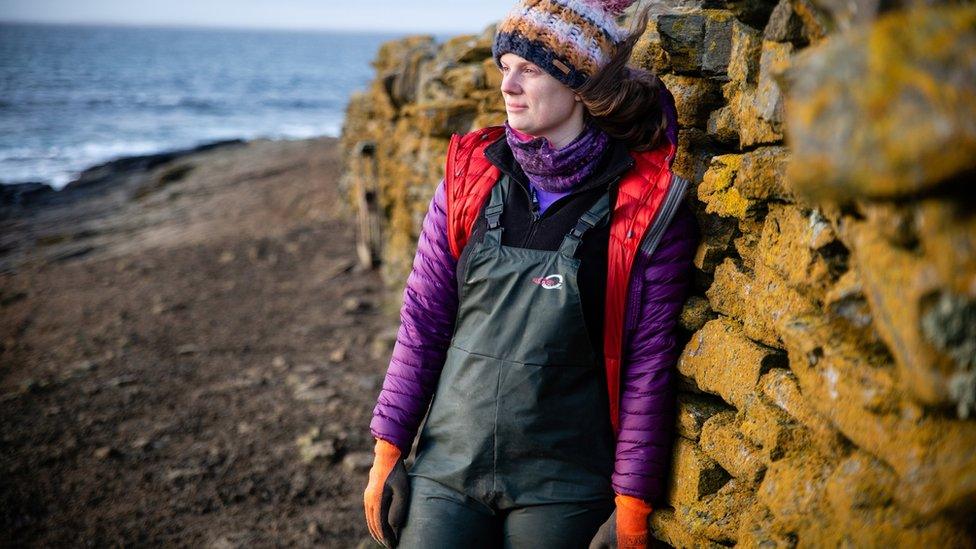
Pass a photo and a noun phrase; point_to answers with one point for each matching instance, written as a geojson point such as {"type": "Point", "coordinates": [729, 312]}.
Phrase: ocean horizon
{"type": "Point", "coordinates": [77, 95]}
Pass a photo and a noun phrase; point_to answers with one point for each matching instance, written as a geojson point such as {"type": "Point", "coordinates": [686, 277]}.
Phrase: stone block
{"type": "Point", "coordinates": [945, 232]}
{"type": "Point", "coordinates": [724, 362]}
{"type": "Point", "coordinates": [736, 184]}
{"type": "Point", "coordinates": [693, 411]}
{"type": "Point", "coordinates": [859, 393]}
{"type": "Point", "coordinates": [747, 242]}
{"type": "Point", "coordinates": [802, 248]}
{"type": "Point", "coordinates": [860, 481]}
{"type": "Point", "coordinates": [464, 80]}
{"type": "Point", "coordinates": [694, 154]}
{"type": "Point", "coordinates": [917, 89]}
{"type": "Point", "coordinates": [391, 55]}
{"type": "Point", "coordinates": [694, 98]}
{"type": "Point", "coordinates": [772, 429]}
{"type": "Point", "coordinates": [443, 118]}
{"type": "Point", "coordinates": [649, 53]}
{"type": "Point", "coordinates": [892, 526]}
{"type": "Point", "coordinates": [793, 490]}
{"type": "Point", "coordinates": [486, 119]}
{"type": "Point", "coordinates": [694, 475]}
{"type": "Point", "coordinates": [762, 173]}
{"type": "Point", "coordinates": [785, 25]}
{"type": "Point", "coordinates": [815, 20]}
{"type": "Point", "coordinates": [465, 48]}
{"type": "Point", "coordinates": [774, 61]}
{"type": "Point", "coordinates": [846, 303]}
{"type": "Point", "coordinates": [842, 15]}
{"type": "Point", "coordinates": [744, 105]}
{"type": "Point", "coordinates": [755, 530]}
{"type": "Point", "coordinates": [718, 191]}
{"type": "Point", "coordinates": [723, 126]}
{"type": "Point", "coordinates": [860, 492]}
{"type": "Point", "coordinates": [717, 45]}
{"type": "Point", "coordinates": [665, 526]}
{"type": "Point", "coordinates": [403, 66]}
{"type": "Point", "coordinates": [759, 299]}
{"type": "Point", "coordinates": [717, 516]}
{"type": "Point", "coordinates": [431, 88]}
{"type": "Point", "coordinates": [751, 12]}
{"type": "Point", "coordinates": [490, 101]}
{"type": "Point", "coordinates": [746, 45]}
{"type": "Point", "coordinates": [722, 441]}
{"type": "Point", "coordinates": [896, 285]}
{"type": "Point", "coordinates": [717, 234]}
{"type": "Point", "coordinates": [681, 37]}
{"type": "Point", "coordinates": [695, 313]}
{"type": "Point", "coordinates": [782, 389]}
{"type": "Point", "coordinates": [699, 40]}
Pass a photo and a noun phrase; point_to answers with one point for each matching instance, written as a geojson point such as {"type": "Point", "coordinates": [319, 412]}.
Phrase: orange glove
{"type": "Point", "coordinates": [387, 493]}
{"type": "Point", "coordinates": [632, 527]}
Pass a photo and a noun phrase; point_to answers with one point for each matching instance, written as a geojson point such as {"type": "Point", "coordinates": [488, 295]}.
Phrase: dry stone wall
{"type": "Point", "coordinates": [827, 387]}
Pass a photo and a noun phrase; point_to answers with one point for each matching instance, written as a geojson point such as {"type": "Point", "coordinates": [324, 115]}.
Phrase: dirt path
{"type": "Point", "coordinates": [191, 359]}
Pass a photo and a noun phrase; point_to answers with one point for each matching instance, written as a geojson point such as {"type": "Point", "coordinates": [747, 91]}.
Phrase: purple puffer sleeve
{"type": "Point", "coordinates": [427, 317]}
{"type": "Point", "coordinates": [647, 406]}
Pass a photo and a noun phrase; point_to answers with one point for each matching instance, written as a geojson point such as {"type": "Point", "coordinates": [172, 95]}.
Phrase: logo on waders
{"type": "Point", "coordinates": [551, 282]}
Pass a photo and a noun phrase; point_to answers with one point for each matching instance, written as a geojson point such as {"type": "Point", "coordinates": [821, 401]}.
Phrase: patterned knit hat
{"type": "Point", "coordinates": [570, 39]}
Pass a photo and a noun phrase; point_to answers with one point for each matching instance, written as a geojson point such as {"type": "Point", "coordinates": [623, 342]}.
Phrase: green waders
{"type": "Point", "coordinates": [520, 418]}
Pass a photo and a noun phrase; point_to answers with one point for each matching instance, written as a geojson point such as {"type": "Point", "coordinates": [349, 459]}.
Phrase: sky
{"type": "Point", "coordinates": [377, 15]}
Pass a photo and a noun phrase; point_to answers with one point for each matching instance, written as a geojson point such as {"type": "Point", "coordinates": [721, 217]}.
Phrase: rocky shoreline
{"type": "Point", "coordinates": [38, 222]}
{"type": "Point", "coordinates": [33, 193]}
{"type": "Point", "coordinates": [190, 353]}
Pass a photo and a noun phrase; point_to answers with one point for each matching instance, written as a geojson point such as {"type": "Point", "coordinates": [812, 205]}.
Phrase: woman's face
{"type": "Point", "coordinates": [537, 103]}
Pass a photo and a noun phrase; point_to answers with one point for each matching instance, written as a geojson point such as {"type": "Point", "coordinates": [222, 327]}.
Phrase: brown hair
{"type": "Point", "coordinates": [623, 101]}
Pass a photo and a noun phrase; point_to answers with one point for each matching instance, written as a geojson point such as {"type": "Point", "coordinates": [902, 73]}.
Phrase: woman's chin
{"type": "Point", "coordinates": [519, 125]}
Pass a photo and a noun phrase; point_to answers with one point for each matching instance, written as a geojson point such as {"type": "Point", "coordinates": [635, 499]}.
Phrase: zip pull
{"type": "Point", "coordinates": [535, 203]}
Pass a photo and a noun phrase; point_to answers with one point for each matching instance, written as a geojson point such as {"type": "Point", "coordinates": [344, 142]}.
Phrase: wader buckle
{"type": "Point", "coordinates": [493, 214]}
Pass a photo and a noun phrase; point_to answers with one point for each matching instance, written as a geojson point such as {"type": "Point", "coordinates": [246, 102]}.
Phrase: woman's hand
{"type": "Point", "coordinates": [627, 526]}
{"type": "Point", "coordinates": [632, 527]}
{"type": "Point", "coordinates": [387, 494]}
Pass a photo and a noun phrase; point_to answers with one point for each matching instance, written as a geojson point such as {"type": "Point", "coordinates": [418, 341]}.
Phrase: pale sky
{"type": "Point", "coordinates": [387, 15]}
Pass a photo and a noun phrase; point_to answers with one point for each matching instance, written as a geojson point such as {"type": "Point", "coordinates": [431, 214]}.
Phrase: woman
{"type": "Point", "coordinates": [538, 321]}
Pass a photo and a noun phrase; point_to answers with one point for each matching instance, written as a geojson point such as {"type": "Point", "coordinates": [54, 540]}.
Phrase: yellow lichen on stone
{"type": "Point", "coordinates": [721, 441]}
{"type": "Point", "coordinates": [717, 516]}
{"type": "Point", "coordinates": [724, 362]}
{"type": "Point", "coordinates": [882, 112]}
{"type": "Point", "coordinates": [694, 474]}
{"type": "Point", "coordinates": [718, 191]}
{"type": "Point", "coordinates": [793, 490]}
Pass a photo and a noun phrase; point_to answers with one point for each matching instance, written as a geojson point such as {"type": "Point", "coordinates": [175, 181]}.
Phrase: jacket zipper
{"type": "Point", "coordinates": [652, 237]}
{"type": "Point", "coordinates": [535, 204]}
{"type": "Point", "coordinates": [535, 216]}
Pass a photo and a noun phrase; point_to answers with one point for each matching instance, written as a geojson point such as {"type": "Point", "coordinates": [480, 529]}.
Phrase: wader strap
{"type": "Point", "coordinates": [493, 213]}
{"type": "Point", "coordinates": [593, 217]}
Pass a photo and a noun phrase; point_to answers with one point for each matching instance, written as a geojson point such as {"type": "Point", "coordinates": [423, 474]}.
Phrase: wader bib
{"type": "Point", "coordinates": [520, 415]}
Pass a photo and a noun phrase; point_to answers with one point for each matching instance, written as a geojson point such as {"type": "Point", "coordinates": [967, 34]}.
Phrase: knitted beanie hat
{"type": "Point", "coordinates": [570, 39]}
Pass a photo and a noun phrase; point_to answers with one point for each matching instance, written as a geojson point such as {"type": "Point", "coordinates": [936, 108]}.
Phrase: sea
{"type": "Point", "coordinates": [72, 96]}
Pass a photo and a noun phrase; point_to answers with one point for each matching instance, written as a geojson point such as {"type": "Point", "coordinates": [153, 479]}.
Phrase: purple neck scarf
{"type": "Point", "coordinates": [557, 170]}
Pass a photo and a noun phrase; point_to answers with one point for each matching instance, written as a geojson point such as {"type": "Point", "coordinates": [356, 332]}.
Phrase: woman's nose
{"type": "Point", "coordinates": [510, 84]}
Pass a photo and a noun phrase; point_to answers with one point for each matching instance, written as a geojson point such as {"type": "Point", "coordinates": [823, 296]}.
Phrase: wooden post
{"type": "Point", "coordinates": [367, 204]}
